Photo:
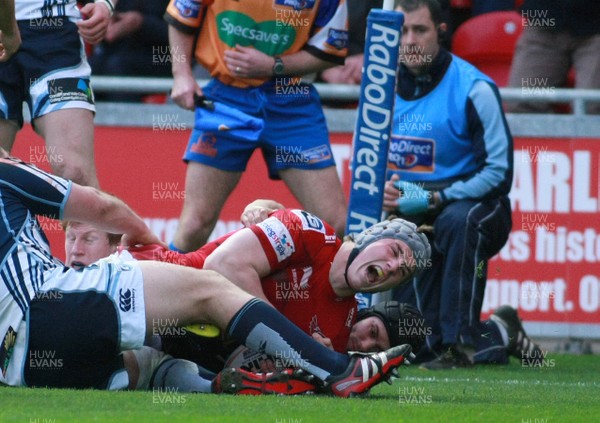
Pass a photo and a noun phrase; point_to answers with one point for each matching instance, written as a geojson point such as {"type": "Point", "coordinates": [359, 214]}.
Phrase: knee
{"type": "Point", "coordinates": [73, 171]}
{"type": "Point", "coordinates": [198, 219]}
{"type": "Point", "coordinates": [194, 230]}
{"type": "Point", "coordinates": [452, 224]}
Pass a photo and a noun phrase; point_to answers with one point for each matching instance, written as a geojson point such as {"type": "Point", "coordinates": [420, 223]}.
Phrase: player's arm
{"type": "Point", "coordinates": [183, 29]}
{"type": "Point", "coordinates": [107, 213]}
{"type": "Point", "coordinates": [242, 260]}
{"type": "Point", "coordinates": [248, 62]}
{"type": "Point", "coordinates": [55, 197]}
{"type": "Point", "coordinates": [491, 137]}
{"type": "Point", "coordinates": [184, 84]}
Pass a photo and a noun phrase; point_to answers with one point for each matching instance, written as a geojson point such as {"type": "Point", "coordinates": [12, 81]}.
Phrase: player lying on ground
{"type": "Point", "coordinates": [376, 329]}
{"type": "Point", "coordinates": [84, 245]}
{"type": "Point", "coordinates": [85, 319]}
{"type": "Point", "coordinates": [212, 353]}
{"type": "Point", "coordinates": [294, 261]}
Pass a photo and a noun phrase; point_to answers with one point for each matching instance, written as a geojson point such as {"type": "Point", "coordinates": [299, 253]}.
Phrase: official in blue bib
{"type": "Point", "coordinates": [451, 163]}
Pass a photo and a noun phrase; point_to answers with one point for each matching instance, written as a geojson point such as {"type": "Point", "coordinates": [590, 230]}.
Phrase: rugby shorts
{"type": "Point", "coordinates": [78, 324]}
{"type": "Point", "coordinates": [49, 72]}
{"type": "Point", "coordinates": [294, 133]}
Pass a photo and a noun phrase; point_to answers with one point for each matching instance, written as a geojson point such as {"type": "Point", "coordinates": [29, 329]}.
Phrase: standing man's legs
{"type": "Point", "coordinates": [541, 61]}
{"type": "Point", "coordinates": [320, 192]}
{"type": "Point", "coordinates": [51, 73]}
{"type": "Point", "coordinates": [300, 153]}
{"type": "Point", "coordinates": [8, 132]}
{"type": "Point", "coordinates": [69, 136]}
{"type": "Point", "coordinates": [586, 62]}
{"type": "Point", "coordinates": [206, 189]}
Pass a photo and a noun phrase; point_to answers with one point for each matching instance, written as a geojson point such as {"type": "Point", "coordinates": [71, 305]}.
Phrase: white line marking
{"type": "Point", "coordinates": [434, 379]}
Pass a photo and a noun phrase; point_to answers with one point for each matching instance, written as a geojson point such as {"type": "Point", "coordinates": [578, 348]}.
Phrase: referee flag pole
{"type": "Point", "coordinates": [375, 116]}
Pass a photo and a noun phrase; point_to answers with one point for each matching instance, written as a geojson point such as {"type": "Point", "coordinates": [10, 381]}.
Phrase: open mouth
{"type": "Point", "coordinates": [374, 273]}
{"type": "Point", "coordinates": [77, 265]}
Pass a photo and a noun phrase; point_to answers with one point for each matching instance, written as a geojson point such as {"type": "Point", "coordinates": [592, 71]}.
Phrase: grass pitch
{"type": "Point", "coordinates": [565, 389]}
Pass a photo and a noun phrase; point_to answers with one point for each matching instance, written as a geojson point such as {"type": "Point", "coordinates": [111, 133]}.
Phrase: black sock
{"type": "Point", "coordinates": [263, 329]}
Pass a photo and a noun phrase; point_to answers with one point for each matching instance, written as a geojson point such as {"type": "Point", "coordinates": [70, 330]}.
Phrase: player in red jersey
{"type": "Point", "coordinates": [377, 330]}
{"type": "Point", "coordinates": [294, 260]}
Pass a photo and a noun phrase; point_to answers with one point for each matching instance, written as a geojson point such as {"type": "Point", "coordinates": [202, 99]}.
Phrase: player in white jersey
{"type": "Point", "coordinates": [51, 74]}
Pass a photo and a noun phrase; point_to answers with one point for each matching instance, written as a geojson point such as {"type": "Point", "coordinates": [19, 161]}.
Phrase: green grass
{"type": "Point", "coordinates": [566, 390]}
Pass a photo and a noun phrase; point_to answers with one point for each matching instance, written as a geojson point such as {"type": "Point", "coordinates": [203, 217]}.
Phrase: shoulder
{"type": "Point", "coordinates": [297, 226]}
{"type": "Point", "coordinates": [473, 83]}
{"type": "Point", "coordinates": [304, 221]}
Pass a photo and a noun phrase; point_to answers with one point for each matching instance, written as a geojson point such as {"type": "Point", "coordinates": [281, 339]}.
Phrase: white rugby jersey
{"type": "Point", "coordinates": [46, 9]}
{"type": "Point", "coordinates": [25, 192]}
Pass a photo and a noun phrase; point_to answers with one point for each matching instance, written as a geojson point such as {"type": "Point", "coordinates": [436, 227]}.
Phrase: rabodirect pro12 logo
{"type": "Point", "coordinates": [296, 4]}
{"type": "Point", "coordinates": [411, 153]}
{"type": "Point", "coordinates": [188, 8]}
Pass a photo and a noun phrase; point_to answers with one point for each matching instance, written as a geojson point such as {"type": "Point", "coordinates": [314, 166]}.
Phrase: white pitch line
{"type": "Point", "coordinates": [502, 382]}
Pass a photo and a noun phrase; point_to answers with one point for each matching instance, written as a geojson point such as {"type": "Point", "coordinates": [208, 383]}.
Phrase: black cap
{"type": "Point", "coordinates": [404, 323]}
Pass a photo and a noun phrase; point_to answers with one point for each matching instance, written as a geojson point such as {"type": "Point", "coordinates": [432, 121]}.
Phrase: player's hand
{"type": "Point", "coordinates": [409, 198]}
{"type": "Point", "coordinates": [96, 17]}
{"type": "Point", "coordinates": [184, 88]}
{"type": "Point", "coordinates": [258, 210]}
{"type": "Point", "coordinates": [349, 73]}
{"type": "Point", "coordinates": [323, 340]}
{"type": "Point", "coordinates": [9, 43]}
{"type": "Point", "coordinates": [248, 62]}
{"type": "Point", "coordinates": [146, 252]}
{"type": "Point", "coordinates": [391, 194]}
{"type": "Point", "coordinates": [353, 68]}
{"type": "Point", "coordinates": [413, 198]}
{"type": "Point", "coordinates": [144, 238]}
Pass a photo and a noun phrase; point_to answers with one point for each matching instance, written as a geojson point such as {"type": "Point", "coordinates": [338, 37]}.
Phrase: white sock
{"type": "Point", "coordinates": [180, 375]}
{"type": "Point", "coordinates": [148, 360]}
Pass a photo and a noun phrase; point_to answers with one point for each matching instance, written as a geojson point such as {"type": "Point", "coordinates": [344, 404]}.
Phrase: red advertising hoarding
{"type": "Point", "coordinates": [550, 267]}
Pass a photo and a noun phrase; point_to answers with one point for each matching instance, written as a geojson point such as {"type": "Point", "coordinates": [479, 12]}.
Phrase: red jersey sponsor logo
{"type": "Point", "coordinates": [279, 237]}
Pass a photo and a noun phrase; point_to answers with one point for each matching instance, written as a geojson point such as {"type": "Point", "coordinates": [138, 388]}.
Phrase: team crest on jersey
{"type": "Point", "coordinates": [337, 38]}
{"type": "Point", "coordinates": [296, 4]}
{"type": "Point", "coordinates": [301, 281]}
{"type": "Point", "coordinates": [205, 145]}
{"type": "Point", "coordinates": [6, 349]}
{"type": "Point", "coordinates": [310, 221]}
{"type": "Point", "coordinates": [279, 237]}
{"type": "Point", "coordinates": [411, 154]}
{"type": "Point", "coordinates": [188, 8]}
